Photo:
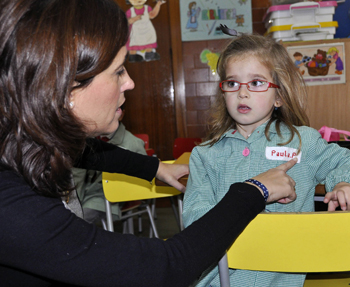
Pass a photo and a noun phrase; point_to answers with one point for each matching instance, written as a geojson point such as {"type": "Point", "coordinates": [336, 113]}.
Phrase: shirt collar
{"type": "Point", "coordinates": [260, 130]}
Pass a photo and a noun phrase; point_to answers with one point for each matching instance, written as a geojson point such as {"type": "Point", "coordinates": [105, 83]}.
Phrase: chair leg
{"type": "Point", "coordinates": [110, 226]}
{"type": "Point", "coordinates": [152, 222]}
{"type": "Point", "coordinates": [179, 203]}
{"type": "Point", "coordinates": [104, 224]}
{"type": "Point", "coordinates": [130, 223]}
{"type": "Point", "coordinates": [223, 272]}
{"type": "Point", "coordinates": [175, 212]}
{"type": "Point", "coordinates": [153, 208]}
{"type": "Point", "coordinates": [140, 223]}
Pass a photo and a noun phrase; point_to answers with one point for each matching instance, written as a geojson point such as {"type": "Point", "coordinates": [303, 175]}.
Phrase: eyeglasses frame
{"type": "Point", "coordinates": [271, 85]}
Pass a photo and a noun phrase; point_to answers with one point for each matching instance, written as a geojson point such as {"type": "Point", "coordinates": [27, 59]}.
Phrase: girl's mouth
{"type": "Point", "coordinates": [243, 109]}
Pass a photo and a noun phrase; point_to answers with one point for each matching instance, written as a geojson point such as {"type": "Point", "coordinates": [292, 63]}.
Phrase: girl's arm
{"type": "Point", "coordinates": [154, 13]}
{"type": "Point", "coordinates": [134, 19]}
{"type": "Point", "coordinates": [332, 167]}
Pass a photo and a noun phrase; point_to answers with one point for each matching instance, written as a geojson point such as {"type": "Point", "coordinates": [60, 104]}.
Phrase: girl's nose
{"type": "Point", "coordinates": [243, 92]}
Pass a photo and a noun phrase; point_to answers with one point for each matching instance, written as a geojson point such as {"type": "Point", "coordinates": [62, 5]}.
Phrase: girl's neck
{"type": "Point", "coordinates": [138, 7]}
{"type": "Point", "coordinates": [246, 132]}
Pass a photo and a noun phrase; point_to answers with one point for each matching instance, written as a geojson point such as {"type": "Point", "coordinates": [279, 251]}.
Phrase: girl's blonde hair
{"type": "Point", "coordinates": [292, 92]}
{"type": "Point", "coordinates": [333, 49]}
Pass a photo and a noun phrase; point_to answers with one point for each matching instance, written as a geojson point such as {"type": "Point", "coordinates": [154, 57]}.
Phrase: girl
{"type": "Point", "coordinates": [193, 13]}
{"type": "Point", "coordinates": [143, 37]}
{"type": "Point", "coordinates": [258, 122]}
{"type": "Point", "coordinates": [339, 66]}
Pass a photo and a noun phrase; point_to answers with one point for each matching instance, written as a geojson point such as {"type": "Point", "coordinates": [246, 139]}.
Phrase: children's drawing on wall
{"type": "Point", "coordinates": [142, 43]}
{"type": "Point", "coordinates": [240, 20]}
{"type": "Point", "coordinates": [335, 59]}
{"type": "Point", "coordinates": [320, 64]}
{"type": "Point", "coordinates": [210, 58]}
{"type": "Point", "coordinates": [201, 19]}
{"type": "Point", "coordinates": [299, 62]}
{"type": "Point", "coordinates": [193, 14]}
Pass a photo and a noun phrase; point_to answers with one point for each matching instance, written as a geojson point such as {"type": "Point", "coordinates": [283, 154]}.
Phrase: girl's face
{"type": "Point", "coordinates": [249, 109]}
{"type": "Point", "coordinates": [97, 106]}
{"type": "Point", "coordinates": [137, 2]}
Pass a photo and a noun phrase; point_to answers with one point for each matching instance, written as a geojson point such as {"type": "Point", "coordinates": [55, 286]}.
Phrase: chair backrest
{"type": "Point", "coordinates": [145, 138]}
{"type": "Point", "coordinates": [294, 242]}
{"type": "Point", "coordinates": [182, 145]}
{"type": "Point", "coordinates": [120, 187]}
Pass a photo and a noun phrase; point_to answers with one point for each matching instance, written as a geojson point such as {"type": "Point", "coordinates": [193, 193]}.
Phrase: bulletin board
{"type": "Point", "coordinates": [201, 19]}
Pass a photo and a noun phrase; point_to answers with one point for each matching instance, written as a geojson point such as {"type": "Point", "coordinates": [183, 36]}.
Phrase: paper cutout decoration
{"type": "Point", "coordinates": [142, 42]}
{"type": "Point", "coordinates": [210, 58]}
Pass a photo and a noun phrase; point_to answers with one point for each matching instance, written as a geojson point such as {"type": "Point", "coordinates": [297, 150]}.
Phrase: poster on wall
{"type": "Point", "coordinates": [201, 19]}
{"type": "Point", "coordinates": [322, 64]}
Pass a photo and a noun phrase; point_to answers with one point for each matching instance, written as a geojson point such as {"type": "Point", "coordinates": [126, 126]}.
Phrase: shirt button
{"type": "Point", "coordinates": [246, 151]}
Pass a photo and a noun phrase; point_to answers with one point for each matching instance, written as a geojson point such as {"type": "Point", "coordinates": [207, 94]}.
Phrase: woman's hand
{"type": "Point", "coordinates": [170, 173]}
{"type": "Point", "coordinates": [280, 185]}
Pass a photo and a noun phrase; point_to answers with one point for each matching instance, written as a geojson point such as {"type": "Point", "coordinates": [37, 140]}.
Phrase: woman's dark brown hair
{"type": "Point", "coordinates": [46, 48]}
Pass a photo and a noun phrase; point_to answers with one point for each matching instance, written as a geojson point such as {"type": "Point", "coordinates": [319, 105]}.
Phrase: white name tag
{"type": "Point", "coordinates": [282, 153]}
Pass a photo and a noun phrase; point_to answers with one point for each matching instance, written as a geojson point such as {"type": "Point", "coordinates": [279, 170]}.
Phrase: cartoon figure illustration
{"type": "Point", "coordinates": [142, 42]}
{"type": "Point", "coordinates": [193, 13]}
{"type": "Point", "coordinates": [240, 20]}
{"type": "Point", "coordinates": [339, 67]}
{"type": "Point", "coordinates": [319, 64]}
{"type": "Point", "coordinates": [299, 62]}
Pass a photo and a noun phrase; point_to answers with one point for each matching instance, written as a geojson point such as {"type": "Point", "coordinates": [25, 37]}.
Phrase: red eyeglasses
{"type": "Point", "coordinates": [253, 86]}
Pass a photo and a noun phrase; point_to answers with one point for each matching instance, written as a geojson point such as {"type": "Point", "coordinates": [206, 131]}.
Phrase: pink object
{"type": "Point", "coordinates": [331, 134]}
{"type": "Point", "coordinates": [246, 151]}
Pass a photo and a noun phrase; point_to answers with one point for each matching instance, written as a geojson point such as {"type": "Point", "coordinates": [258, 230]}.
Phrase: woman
{"type": "Point", "coordinates": [62, 80]}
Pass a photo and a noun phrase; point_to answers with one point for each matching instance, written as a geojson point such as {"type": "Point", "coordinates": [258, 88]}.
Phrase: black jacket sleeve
{"type": "Point", "coordinates": [42, 240]}
{"type": "Point", "coordinates": [102, 156]}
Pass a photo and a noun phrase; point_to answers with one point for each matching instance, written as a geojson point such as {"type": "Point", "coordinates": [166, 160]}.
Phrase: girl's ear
{"type": "Point", "coordinates": [278, 103]}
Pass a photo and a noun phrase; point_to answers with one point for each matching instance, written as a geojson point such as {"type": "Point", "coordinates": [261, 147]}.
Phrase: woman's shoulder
{"type": "Point", "coordinates": [10, 181]}
{"type": "Point", "coordinates": [7, 175]}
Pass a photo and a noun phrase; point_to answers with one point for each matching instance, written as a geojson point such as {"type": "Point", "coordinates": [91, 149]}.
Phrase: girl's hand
{"type": "Point", "coordinates": [340, 196]}
{"type": "Point", "coordinates": [170, 173]}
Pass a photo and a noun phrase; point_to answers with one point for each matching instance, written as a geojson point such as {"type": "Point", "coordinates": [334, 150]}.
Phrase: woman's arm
{"type": "Point", "coordinates": [41, 239]}
{"type": "Point", "coordinates": [102, 156]}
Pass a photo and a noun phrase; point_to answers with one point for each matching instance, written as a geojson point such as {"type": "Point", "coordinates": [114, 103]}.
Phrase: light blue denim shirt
{"type": "Point", "coordinates": [235, 159]}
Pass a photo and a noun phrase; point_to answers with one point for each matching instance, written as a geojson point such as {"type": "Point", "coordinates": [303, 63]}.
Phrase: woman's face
{"type": "Point", "coordinates": [97, 106]}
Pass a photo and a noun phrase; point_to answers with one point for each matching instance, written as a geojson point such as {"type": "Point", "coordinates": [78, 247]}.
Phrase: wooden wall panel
{"type": "Point", "coordinates": [150, 107]}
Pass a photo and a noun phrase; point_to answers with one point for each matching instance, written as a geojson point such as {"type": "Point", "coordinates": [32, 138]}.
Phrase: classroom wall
{"type": "Point", "coordinates": [327, 104]}
{"type": "Point", "coordinates": [200, 84]}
